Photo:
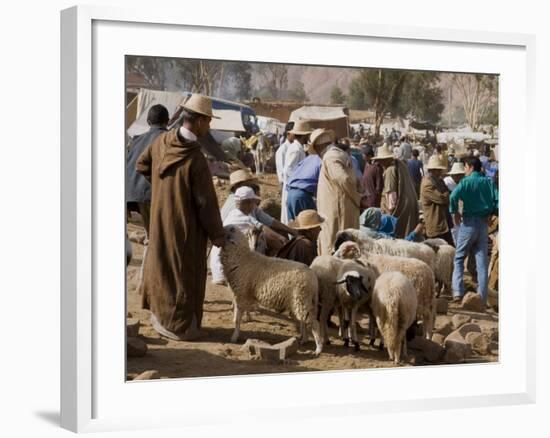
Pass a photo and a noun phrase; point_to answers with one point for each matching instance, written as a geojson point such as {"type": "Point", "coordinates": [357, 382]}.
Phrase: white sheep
{"type": "Point", "coordinates": [393, 305]}
{"type": "Point", "coordinates": [418, 272]}
{"type": "Point", "coordinates": [276, 284]}
{"type": "Point", "coordinates": [444, 264]}
{"type": "Point", "coordinates": [329, 271]}
{"type": "Point", "coordinates": [396, 247]}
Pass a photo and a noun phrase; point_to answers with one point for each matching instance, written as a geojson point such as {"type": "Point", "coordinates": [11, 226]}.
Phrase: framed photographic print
{"type": "Point", "coordinates": [241, 219]}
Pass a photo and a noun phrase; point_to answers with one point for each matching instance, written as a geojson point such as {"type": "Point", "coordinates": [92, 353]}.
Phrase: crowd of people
{"type": "Point", "coordinates": [392, 189]}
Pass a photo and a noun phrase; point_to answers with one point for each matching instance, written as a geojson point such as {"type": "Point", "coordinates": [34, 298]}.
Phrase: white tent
{"type": "Point", "coordinates": [230, 120]}
{"type": "Point", "coordinates": [317, 113]}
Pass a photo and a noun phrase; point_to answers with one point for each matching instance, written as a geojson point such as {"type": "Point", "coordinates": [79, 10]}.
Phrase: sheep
{"type": "Point", "coordinates": [420, 275]}
{"type": "Point", "coordinates": [444, 264]}
{"type": "Point", "coordinates": [329, 270]}
{"type": "Point", "coordinates": [277, 284]}
{"type": "Point", "coordinates": [396, 247]}
{"type": "Point", "coordinates": [393, 305]}
{"type": "Point", "coordinates": [354, 288]}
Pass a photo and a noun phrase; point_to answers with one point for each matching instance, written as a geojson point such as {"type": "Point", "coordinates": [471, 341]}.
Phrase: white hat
{"type": "Point", "coordinates": [245, 192]}
{"type": "Point", "coordinates": [457, 169]}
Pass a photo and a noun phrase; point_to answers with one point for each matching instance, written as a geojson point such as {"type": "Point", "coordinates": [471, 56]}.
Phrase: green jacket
{"type": "Point", "coordinates": [478, 194]}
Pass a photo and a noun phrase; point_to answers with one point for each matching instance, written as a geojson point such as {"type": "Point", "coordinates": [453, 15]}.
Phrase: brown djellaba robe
{"type": "Point", "coordinates": [184, 214]}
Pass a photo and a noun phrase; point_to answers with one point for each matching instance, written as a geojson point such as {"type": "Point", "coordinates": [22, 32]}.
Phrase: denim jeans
{"type": "Point", "coordinates": [299, 200]}
{"type": "Point", "coordinates": [472, 235]}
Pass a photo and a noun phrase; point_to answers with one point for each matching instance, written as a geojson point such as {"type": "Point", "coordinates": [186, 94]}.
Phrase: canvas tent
{"type": "Point", "coordinates": [330, 117]}
{"type": "Point", "coordinates": [230, 119]}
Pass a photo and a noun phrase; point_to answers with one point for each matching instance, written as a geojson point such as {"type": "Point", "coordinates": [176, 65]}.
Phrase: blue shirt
{"type": "Point", "coordinates": [306, 174]}
{"type": "Point", "coordinates": [356, 167]}
{"type": "Point", "coordinates": [415, 166]}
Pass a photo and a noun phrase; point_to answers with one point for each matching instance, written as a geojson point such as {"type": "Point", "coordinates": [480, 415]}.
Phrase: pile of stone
{"type": "Point", "coordinates": [457, 338]}
{"type": "Point", "coordinates": [135, 346]}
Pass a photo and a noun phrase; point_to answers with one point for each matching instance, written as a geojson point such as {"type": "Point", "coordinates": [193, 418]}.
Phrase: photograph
{"type": "Point", "coordinates": [285, 218]}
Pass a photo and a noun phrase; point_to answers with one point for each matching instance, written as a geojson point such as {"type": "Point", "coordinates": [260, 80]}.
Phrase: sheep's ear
{"type": "Point", "coordinates": [341, 280]}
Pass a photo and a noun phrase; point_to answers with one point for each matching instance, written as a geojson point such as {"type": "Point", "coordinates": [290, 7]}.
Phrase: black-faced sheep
{"type": "Point", "coordinates": [421, 276]}
{"type": "Point", "coordinates": [329, 271]}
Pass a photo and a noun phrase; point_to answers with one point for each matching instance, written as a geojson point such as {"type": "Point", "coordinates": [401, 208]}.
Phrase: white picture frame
{"type": "Point", "coordinates": [93, 391]}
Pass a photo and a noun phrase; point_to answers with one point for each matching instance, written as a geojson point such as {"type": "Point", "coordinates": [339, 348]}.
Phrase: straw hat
{"type": "Point", "coordinates": [435, 162]}
{"type": "Point", "coordinates": [457, 169]}
{"type": "Point", "coordinates": [383, 152]}
{"type": "Point", "coordinates": [244, 193]}
{"type": "Point", "coordinates": [306, 220]}
{"type": "Point", "coordinates": [197, 103]}
{"type": "Point", "coordinates": [301, 127]}
{"type": "Point", "coordinates": [318, 137]}
{"type": "Point", "coordinates": [239, 176]}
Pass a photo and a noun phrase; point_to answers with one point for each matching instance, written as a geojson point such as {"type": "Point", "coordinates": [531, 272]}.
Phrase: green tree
{"type": "Point", "coordinates": [336, 95]}
{"type": "Point", "coordinates": [379, 90]}
{"type": "Point", "coordinates": [397, 93]}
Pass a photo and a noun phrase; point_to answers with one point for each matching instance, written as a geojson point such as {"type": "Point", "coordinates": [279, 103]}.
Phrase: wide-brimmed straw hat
{"type": "Point", "coordinates": [383, 152]}
{"type": "Point", "coordinates": [306, 220]}
{"type": "Point", "coordinates": [435, 162]}
{"type": "Point", "coordinates": [301, 127]}
{"type": "Point", "coordinates": [318, 137]}
{"type": "Point", "coordinates": [241, 175]}
{"type": "Point", "coordinates": [457, 169]}
{"type": "Point", "coordinates": [199, 104]}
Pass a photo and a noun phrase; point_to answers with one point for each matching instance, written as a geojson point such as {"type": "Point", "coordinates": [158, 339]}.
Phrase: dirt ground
{"type": "Point", "coordinates": [215, 355]}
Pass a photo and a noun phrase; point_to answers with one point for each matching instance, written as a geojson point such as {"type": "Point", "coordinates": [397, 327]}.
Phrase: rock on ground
{"type": "Point", "coordinates": [472, 301]}
{"type": "Point", "coordinates": [135, 347]}
{"type": "Point", "coordinates": [456, 351]}
{"type": "Point", "coordinates": [132, 327]}
{"type": "Point", "coordinates": [438, 338]}
{"type": "Point", "coordinates": [431, 350]}
{"type": "Point", "coordinates": [460, 319]}
{"type": "Point", "coordinates": [479, 341]}
{"type": "Point", "coordinates": [443, 325]}
{"type": "Point", "coordinates": [147, 375]}
{"type": "Point", "coordinates": [442, 305]}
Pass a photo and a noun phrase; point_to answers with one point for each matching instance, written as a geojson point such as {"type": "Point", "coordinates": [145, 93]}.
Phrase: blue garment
{"type": "Point", "coordinates": [299, 200]}
{"type": "Point", "coordinates": [386, 227]}
{"type": "Point", "coordinates": [491, 170]}
{"type": "Point", "coordinates": [354, 152]}
{"type": "Point", "coordinates": [472, 237]}
{"type": "Point", "coordinates": [138, 189]}
{"type": "Point", "coordinates": [306, 174]}
{"type": "Point", "coordinates": [415, 166]}
{"type": "Point", "coordinates": [356, 167]}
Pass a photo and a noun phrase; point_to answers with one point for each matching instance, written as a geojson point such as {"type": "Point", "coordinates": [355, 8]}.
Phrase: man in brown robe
{"type": "Point", "coordinates": [399, 195]}
{"type": "Point", "coordinates": [434, 197]}
{"type": "Point", "coordinates": [184, 214]}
